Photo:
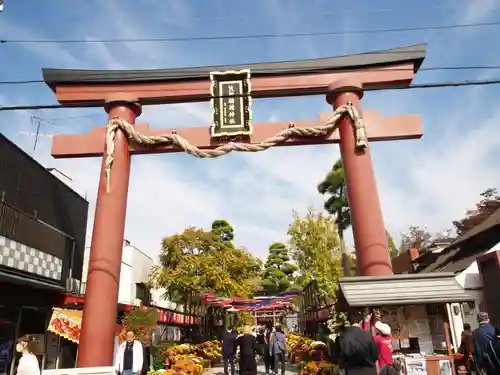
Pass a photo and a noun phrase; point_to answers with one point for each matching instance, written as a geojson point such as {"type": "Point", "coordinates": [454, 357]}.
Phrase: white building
{"type": "Point", "coordinates": [134, 275]}
{"type": "Point", "coordinates": [158, 299]}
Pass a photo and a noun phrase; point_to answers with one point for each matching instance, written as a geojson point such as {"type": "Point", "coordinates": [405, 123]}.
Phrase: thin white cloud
{"type": "Point", "coordinates": [476, 11]}
{"type": "Point", "coordinates": [440, 177]}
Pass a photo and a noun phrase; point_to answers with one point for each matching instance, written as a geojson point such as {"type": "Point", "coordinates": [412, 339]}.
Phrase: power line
{"type": "Point", "coordinates": [411, 87]}
{"type": "Point", "coordinates": [253, 36]}
{"type": "Point", "coordinates": [429, 69]}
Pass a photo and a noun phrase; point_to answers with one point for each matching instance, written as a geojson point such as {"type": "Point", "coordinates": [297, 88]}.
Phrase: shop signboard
{"type": "Point", "coordinates": [416, 366]}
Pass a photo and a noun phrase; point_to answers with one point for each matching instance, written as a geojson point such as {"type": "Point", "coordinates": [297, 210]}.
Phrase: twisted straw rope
{"type": "Point", "coordinates": [325, 129]}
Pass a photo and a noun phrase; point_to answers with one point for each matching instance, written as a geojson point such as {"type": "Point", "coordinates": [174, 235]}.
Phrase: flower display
{"type": "Point", "coordinates": [299, 347]}
{"type": "Point", "coordinates": [176, 356]}
{"type": "Point", "coordinates": [311, 356]}
{"type": "Point", "coordinates": [320, 367]}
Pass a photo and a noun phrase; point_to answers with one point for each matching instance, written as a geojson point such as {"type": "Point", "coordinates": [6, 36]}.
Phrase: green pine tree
{"type": "Point", "coordinates": [338, 206]}
{"type": "Point", "coordinates": [223, 232]}
{"type": "Point", "coordinates": [278, 271]}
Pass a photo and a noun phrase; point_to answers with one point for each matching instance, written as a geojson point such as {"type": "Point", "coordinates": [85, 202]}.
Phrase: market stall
{"type": "Point", "coordinates": [416, 307]}
{"type": "Point", "coordinates": [314, 311]}
{"type": "Point", "coordinates": [175, 326]}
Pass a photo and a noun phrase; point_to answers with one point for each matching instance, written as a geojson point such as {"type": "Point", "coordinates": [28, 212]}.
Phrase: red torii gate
{"type": "Point", "coordinates": [341, 79]}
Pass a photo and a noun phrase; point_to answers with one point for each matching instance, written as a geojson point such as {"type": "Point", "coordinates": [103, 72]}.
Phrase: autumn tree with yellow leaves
{"type": "Point", "coordinates": [197, 261]}
{"type": "Point", "coordinates": [315, 247]}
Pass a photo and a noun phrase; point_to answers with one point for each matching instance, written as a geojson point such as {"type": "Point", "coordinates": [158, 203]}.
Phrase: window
{"type": "Point", "coordinates": [142, 292]}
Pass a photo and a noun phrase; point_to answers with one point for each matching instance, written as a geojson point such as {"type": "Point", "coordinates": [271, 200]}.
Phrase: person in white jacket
{"type": "Point", "coordinates": [28, 363]}
{"type": "Point", "coordinates": [129, 358]}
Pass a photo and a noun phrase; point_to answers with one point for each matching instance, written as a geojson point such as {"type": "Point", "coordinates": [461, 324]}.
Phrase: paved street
{"type": "Point", "coordinates": [219, 370]}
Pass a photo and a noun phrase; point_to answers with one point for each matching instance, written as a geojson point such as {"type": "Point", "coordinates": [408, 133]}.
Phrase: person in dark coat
{"type": "Point", "coordinates": [467, 347]}
{"type": "Point", "coordinates": [487, 361]}
{"type": "Point", "coordinates": [261, 341]}
{"type": "Point", "coordinates": [146, 359]}
{"type": "Point", "coordinates": [358, 353]}
{"type": "Point", "coordinates": [266, 356]}
{"type": "Point", "coordinates": [228, 340]}
{"type": "Point", "coordinates": [248, 348]}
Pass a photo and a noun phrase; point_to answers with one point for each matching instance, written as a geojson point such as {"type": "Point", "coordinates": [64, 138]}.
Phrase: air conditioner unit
{"type": "Point", "coordinates": [73, 285]}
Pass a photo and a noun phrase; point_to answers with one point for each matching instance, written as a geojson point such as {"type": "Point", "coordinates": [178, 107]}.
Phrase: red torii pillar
{"type": "Point", "coordinates": [370, 238]}
{"type": "Point", "coordinates": [103, 278]}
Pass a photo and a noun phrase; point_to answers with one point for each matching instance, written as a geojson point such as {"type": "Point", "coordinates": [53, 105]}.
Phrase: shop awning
{"type": "Point", "coordinates": [29, 281]}
{"type": "Point", "coordinates": [66, 323]}
{"type": "Point", "coordinates": [408, 289]}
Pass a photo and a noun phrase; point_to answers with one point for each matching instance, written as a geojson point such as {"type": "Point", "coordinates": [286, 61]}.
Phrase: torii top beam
{"type": "Point", "coordinates": [394, 68]}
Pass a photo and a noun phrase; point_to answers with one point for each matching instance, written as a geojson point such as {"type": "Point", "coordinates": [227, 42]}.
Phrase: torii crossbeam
{"type": "Point", "coordinates": [341, 79]}
{"type": "Point", "coordinates": [381, 128]}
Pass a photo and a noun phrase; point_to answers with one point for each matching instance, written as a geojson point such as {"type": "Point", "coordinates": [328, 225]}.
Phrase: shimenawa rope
{"type": "Point", "coordinates": [325, 129]}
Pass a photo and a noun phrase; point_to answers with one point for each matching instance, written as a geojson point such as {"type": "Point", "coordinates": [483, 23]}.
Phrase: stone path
{"type": "Point", "coordinates": [219, 370]}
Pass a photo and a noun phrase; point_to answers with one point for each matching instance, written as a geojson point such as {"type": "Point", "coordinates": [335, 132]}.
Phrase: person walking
{"type": "Point", "coordinates": [261, 342]}
{"type": "Point", "coordinates": [383, 340]}
{"type": "Point", "coordinates": [129, 359]}
{"type": "Point", "coordinates": [266, 355]}
{"type": "Point", "coordinates": [278, 349]}
{"type": "Point", "coordinates": [487, 361]}
{"type": "Point", "coordinates": [467, 348]}
{"type": "Point", "coordinates": [358, 353]}
{"type": "Point", "coordinates": [248, 348]}
{"type": "Point", "coordinates": [228, 339]}
{"type": "Point", "coordinates": [28, 363]}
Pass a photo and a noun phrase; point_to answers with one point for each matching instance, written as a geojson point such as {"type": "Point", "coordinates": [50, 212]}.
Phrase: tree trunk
{"type": "Point", "coordinates": [345, 256]}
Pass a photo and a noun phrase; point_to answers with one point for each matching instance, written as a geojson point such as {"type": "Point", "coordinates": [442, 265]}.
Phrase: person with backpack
{"type": "Point", "coordinates": [278, 349]}
{"type": "Point", "coordinates": [487, 361]}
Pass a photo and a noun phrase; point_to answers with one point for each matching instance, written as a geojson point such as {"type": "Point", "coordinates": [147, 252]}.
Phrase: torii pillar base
{"type": "Point", "coordinates": [370, 238]}
{"type": "Point", "coordinates": [101, 296]}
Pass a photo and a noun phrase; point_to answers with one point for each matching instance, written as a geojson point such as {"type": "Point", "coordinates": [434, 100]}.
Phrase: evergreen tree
{"type": "Point", "coordinates": [338, 206]}
{"type": "Point", "coordinates": [223, 232]}
{"type": "Point", "coordinates": [278, 271]}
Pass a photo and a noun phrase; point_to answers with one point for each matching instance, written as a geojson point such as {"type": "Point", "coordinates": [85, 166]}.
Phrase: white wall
{"type": "Point", "coordinates": [470, 278]}
{"type": "Point", "coordinates": [135, 268]}
{"type": "Point", "coordinates": [157, 299]}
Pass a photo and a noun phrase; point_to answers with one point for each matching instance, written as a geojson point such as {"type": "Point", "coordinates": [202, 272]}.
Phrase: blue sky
{"type": "Point", "coordinates": [427, 182]}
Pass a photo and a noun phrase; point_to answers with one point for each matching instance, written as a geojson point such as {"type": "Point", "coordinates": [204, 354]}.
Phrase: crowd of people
{"type": "Point", "coordinates": [362, 353]}
{"type": "Point", "coordinates": [270, 343]}
{"type": "Point", "coordinates": [480, 348]}
{"type": "Point", "coordinates": [359, 352]}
